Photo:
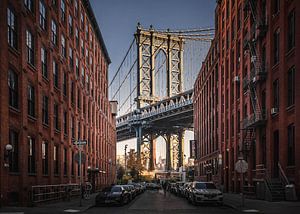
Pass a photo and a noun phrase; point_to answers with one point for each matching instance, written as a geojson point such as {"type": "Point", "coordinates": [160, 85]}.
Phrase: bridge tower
{"type": "Point", "coordinates": [149, 43]}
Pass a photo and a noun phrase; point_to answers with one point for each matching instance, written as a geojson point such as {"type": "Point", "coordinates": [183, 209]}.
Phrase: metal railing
{"type": "Point", "coordinates": [283, 178]}
{"type": "Point", "coordinates": [44, 193]}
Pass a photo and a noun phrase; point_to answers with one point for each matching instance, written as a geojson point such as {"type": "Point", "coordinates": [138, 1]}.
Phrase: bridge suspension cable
{"type": "Point", "coordinates": [123, 85]}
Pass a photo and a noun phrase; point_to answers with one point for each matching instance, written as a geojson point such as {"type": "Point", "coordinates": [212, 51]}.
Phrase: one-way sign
{"type": "Point", "coordinates": [80, 142]}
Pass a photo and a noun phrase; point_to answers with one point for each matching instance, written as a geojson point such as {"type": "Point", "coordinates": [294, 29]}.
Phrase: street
{"type": "Point", "coordinates": [156, 202]}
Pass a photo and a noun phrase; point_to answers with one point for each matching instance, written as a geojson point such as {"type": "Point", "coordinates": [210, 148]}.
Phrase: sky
{"type": "Point", "coordinates": [118, 19]}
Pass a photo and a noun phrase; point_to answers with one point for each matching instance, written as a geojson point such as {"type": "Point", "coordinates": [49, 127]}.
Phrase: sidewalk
{"type": "Point", "coordinates": [261, 206]}
{"type": "Point", "coordinates": [55, 207]}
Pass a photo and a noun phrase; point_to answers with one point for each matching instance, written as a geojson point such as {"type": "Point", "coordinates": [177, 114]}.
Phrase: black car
{"type": "Point", "coordinates": [113, 195]}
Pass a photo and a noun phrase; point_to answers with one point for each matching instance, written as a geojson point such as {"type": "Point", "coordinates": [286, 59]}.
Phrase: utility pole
{"type": "Point", "coordinates": [80, 144]}
{"type": "Point", "coordinates": [125, 149]}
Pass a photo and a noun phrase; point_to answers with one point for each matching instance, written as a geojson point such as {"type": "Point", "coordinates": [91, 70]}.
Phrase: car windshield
{"type": "Point", "coordinates": [210, 186]}
{"type": "Point", "coordinates": [116, 189]}
{"type": "Point", "coordinates": [106, 189]}
{"type": "Point", "coordinates": [205, 186]}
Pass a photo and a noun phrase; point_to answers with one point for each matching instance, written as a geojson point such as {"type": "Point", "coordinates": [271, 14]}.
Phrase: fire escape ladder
{"type": "Point", "coordinates": [248, 139]}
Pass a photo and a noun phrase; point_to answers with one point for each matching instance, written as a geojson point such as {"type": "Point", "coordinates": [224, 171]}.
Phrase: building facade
{"type": "Point", "coordinates": [54, 91]}
{"type": "Point", "coordinates": [259, 92]}
{"type": "Point", "coordinates": [205, 118]}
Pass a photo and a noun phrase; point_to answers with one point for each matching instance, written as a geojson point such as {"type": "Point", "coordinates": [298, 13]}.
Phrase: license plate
{"type": "Point", "coordinates": [108, 201]}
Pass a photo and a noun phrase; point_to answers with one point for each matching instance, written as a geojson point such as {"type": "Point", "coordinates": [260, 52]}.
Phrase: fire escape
{"type": "Point", "coordinates": [258, 73]}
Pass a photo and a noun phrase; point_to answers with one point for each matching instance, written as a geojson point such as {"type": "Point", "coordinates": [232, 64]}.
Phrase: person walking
{"type": "Point", "coordinates": [165, 185]}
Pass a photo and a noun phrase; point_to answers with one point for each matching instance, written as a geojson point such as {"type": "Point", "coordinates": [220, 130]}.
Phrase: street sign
{"type": "Point", "coordinates": [241, 166]}
{"type": "Point", "coordinates": [77, 157]}
{"type": "Point", "coordinates": [80, 142]}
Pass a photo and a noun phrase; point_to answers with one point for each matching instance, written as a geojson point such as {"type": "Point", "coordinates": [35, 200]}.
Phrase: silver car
{"type": "Point", "coordinates": [202, 192]}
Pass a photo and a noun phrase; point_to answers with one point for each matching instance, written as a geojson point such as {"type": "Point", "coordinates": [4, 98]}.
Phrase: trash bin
{"type": "Point", "coordinates": [290, 193]}
{"type": "Point", "coordinates": [260, 190]}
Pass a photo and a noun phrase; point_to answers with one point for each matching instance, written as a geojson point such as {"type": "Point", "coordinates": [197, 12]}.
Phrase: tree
{"type": "Point", "coordinates": [120, 172]}
{"type": "Point", "coordinates": [134, 165]}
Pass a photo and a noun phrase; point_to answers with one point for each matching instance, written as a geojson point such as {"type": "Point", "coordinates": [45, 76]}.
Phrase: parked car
{"type": "Point", "coordinates": [179, 188]}
{"type": "Point", "coordinates": [138, 187]}
{"type": "Point", "coordinates": [152, 186]}
{"type": "Point", "coordinates": [202, 192]}
{"type": "Point", "coordinates": [131, 191]}
{"type": "Point", "coordinates": [172, 188]}
{"type": "Point", "coordinates": [113, 195]}
{"type": "Point", "coordinates": [185, 189]}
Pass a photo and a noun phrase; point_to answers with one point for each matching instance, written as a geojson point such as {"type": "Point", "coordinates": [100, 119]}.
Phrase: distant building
{"type": "Point", "coordinates": [54, 91]}
{"type": "Point", "coordinates": [247, 95]}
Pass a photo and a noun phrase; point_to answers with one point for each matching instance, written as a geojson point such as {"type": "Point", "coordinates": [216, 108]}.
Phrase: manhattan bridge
{"type": "Point", "coordinates": [154, 89]}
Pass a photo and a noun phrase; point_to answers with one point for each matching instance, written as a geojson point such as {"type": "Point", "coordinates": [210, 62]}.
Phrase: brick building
{"type": "Point", "coordinates": [205, 119]}
{"type": "Point", "coordinates": [258, 93]}
{"type": "Point", "coordinates": [53, 73]}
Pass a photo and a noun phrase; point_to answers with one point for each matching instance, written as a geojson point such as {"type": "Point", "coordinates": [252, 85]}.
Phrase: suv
{"type": "Point", "coordinates": [201, 192]}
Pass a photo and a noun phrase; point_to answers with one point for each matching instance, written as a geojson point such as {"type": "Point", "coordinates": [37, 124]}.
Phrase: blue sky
{"type": "Point", "coordinates": [118, 19]}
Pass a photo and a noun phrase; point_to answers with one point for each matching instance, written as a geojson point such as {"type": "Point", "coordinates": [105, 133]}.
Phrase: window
{"type": "Point", "coordinates": [11, 28]}
{"type": "Point", "coordinates": [31, 155]}
{"type": "Point", "coordinates": [82, 20]}
{"type": "Point", "coordinates": [78, 99]}
{"type": "Point", "coordinates": [63, 10]}
{"type": "Point", "coordinates": [65, 122]}
{"type": "Point", "coordinates": [72, 127]}
{"type": "Point", "coordinates": [71, 58]}
{"type": "Point", "coordinates": [63, 46]}
{"type": "Point", "coordinates": [45, 158]}
{"type": "Point", "coordinates": [42, 11]}
{"type": "Point", "coordinates": [276, 6]}
{"type": "Point", "coordinates": [13, 88]}
{"type": "Point", "coordinates": [82, 75]}
{"type": "Point", "coordinates": [76, 7]}
{"type": "Point", "coordinates": [86, 32]}
{"type": "Point", "coordinates": [55, 159]}
{"type": "Point", "coordinates": [72, 92]}
{"type": "Point", "coordinates": [30, 47]}
{"type": "Point", "coordinates": [79, 131]}
{"type": "Point", "coordinates": [45, 110]}
{"type": "Point", "coordinates": [65, 83]}
{"type": "Point", "coordinates": [53, 32]}
{"type": "Point", "coordinates": [72, 164]}
{"type": "Point", "coordinates": [29, 5]}
{"type": "Point", "coordinates": [276, 94]}
{"type": "Point", "coordinates": [291, 145]}
{"type": "Point", "coordinates": [77, 67]}
{"type": "Point", "coordinates": [82, 47]}
{"type": "Point", "coordinates": [14, 154]}
{"type": "Point", "coordinates": [65, 161]}
{"type": "Point", "coordinates": [291, 30]}
{"type": "Point", "coordinates": [291, 87]}
{"type": "Point", "coordinates": [77, 37]}
{"type": "Point", "coordinates": [276, 46]}
{"type": "Point", "coordinates": [56, 117]}
{"type": "Point", "coordinates": [55, 74]}
{"type": "Point", "coordinates": [44, 62]}
{"type": "Point", "coordinates": [31, 101]}
{"type": "Point", "coordinates": [70, 25]}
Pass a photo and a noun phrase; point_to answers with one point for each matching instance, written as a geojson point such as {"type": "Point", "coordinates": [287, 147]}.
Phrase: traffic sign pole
{"type": "Point", "coordinates": [80, 201]}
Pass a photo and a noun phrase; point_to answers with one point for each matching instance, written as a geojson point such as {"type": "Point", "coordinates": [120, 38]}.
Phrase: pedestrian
{"type": "Point", "coordinates": [164, 185]}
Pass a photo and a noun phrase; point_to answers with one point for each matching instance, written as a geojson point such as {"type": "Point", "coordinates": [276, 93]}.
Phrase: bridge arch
{"type": "Point", "coordinates": [160, 75]}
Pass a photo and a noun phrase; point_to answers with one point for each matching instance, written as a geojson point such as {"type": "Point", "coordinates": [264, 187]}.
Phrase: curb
{"type": "Point", "coordinates": [87, 208]}
{"type": "Point", "coordinates": [231, 206]}
{"type": "Point", "coordinates": [244, 210]}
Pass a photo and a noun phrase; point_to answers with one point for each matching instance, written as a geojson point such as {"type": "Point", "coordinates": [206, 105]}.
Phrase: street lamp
{"type": "Point", "coordinates": [110, 171]}
{"type": "Point", "coordinates": [125, 149]}
{"type": "Point", "coordinates": [8, 149]}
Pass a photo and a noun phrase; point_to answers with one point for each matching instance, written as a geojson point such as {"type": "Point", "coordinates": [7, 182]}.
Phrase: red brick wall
{"type": "Point", "coordinates": [98, 129]}
{"type": "Point", "coordinates": [229, 137]}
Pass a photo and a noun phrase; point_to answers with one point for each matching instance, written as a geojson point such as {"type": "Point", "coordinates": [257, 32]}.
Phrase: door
{"type": "Point", "coordinates": [276, 154]}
